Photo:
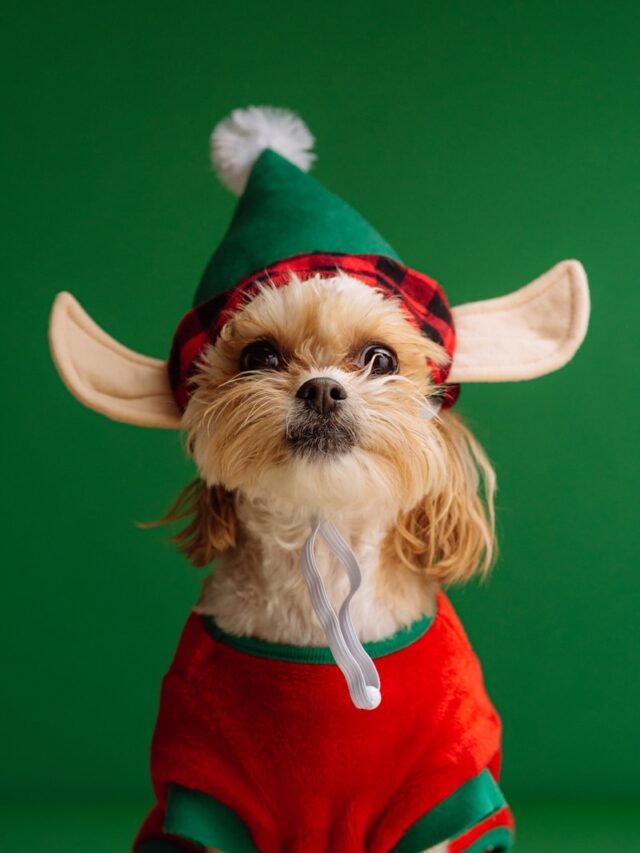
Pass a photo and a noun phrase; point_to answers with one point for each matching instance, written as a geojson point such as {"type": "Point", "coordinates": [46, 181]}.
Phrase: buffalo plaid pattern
{"type": "Point", "coordinates": [422, 298]}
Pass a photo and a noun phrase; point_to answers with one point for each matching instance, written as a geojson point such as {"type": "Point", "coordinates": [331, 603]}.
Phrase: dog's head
{"type": "Point", "coordinates": [315, 395]}
{"type": "Point", "coordinates": [312, 394]}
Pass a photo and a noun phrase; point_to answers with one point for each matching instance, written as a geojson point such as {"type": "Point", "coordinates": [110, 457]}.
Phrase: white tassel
{"type": "Point", "coordinates": [238, 141]}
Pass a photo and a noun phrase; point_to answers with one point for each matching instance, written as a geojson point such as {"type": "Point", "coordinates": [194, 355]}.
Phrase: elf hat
{"type": "Point", "coordinates": [286, 222]}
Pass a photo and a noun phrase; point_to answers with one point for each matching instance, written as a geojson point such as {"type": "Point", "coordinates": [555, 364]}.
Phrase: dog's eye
{"type": "Point", "coordinates": [383, 359]}
{"type": "Point", "coordinates": [261, 355]}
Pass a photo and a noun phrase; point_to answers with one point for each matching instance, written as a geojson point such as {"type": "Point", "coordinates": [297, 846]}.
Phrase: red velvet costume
{"type": "Point", "coordinates": [259, 747]}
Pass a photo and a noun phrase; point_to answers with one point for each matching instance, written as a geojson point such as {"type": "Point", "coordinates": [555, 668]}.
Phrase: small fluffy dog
{"type": "Point", "coordinates": [324, 696]}
{"type": "Point", "coordinates": [312, 400]}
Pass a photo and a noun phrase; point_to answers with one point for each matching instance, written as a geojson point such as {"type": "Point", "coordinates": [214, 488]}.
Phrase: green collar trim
{"type": "Point", "coordinates": [317, 654]}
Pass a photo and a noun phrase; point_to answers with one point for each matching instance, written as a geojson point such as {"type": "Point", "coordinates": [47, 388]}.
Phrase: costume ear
{"type": "Point", "coordinates": [106, 376]}
{"type": "Point", "coordinates": [527, 333]}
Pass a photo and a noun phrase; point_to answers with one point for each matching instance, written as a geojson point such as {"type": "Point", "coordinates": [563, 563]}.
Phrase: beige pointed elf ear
{"type": "Point", "coordinates": [527, 333]}
{"type": "Point", "coordinates": [106, 376]}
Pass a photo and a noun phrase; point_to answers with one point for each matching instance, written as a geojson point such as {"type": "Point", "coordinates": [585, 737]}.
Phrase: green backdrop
{"type": "Point", "coordinates": [486, 141]}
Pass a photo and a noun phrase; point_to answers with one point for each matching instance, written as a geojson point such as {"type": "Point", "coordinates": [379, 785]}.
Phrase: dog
{"type": "Point", "coordinates": [311, 401]}
{"type": "Point", "coordinates": [324, 695]}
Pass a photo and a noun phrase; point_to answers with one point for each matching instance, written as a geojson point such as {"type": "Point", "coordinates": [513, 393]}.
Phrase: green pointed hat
{"type": "Point", "coordinates": [263, 154]}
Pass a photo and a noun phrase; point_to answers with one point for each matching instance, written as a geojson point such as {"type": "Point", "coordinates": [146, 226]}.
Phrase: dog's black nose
{"type": "Point", "coordinates": [322, 394]}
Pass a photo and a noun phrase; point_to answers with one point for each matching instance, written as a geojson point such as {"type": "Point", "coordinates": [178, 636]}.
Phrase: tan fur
{"type": "Point", "coordinates": [258, 589]}
{"type": "Point", "coordinates": [450, 533]}
{"type": "Point", "coordinates": [212, 527]}
{"type": "Point", "coordinates": [408, 496]}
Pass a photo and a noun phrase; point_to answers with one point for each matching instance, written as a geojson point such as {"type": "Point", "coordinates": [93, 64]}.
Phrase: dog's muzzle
{"type": "Point", "coordinates": [321, 423]}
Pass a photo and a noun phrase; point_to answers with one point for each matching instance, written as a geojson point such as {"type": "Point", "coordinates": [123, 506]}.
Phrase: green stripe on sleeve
{"type": "Point", "coordinates": [199, 818]}
{"type": "Point", "coordinates": [497, 840]}
{"type": "Point", "coordinates": [472, 802]}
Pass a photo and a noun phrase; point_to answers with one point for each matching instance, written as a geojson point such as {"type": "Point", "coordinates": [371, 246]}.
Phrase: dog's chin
{"type": "Point", "coordinates": [321, 441]}
{"type": "Point", "coordinates": [331, 482]}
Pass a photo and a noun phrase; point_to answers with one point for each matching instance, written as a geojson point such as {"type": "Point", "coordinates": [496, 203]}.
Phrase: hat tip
{"type": "Point", "coordinates": [238, 141]}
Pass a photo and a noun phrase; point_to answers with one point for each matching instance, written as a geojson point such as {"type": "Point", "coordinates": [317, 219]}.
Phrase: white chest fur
{"type": "Point", "coordinates": [258, 588]}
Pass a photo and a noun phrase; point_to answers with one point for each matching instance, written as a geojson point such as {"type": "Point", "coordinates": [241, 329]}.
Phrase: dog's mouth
{"type": "Point", "coordinates": [316, 436]}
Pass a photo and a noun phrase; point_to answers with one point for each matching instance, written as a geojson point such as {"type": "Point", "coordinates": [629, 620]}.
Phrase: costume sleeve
{"type": "Point", "coordinates": [152, 839]}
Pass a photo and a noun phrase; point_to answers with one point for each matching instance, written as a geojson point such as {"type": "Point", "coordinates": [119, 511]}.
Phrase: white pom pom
{"type": "Point", "coordinates": [238, 141]}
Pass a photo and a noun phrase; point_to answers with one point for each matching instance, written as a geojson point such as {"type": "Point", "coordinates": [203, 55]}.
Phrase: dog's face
{"type": "Point", "coordinates": [315, 393]}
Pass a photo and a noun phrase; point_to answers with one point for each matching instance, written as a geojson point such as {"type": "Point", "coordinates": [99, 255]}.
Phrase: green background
{"type": "Point", "coordinates": [486, 141]}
